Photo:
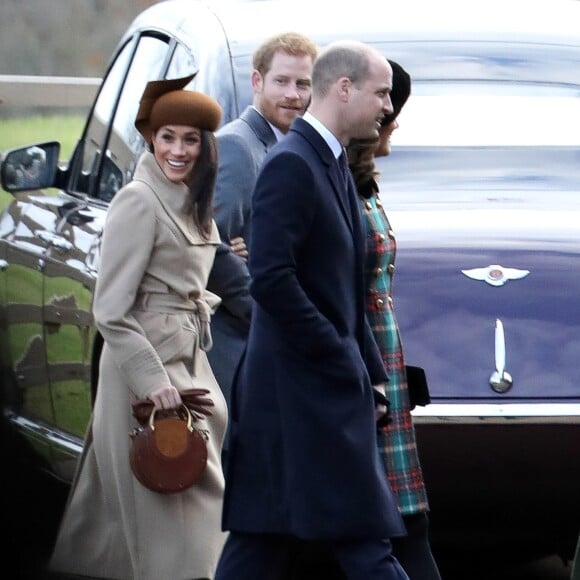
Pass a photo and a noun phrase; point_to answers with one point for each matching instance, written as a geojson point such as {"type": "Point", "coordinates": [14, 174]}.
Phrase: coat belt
{"type": "Point", "coordinates": [173, 303]}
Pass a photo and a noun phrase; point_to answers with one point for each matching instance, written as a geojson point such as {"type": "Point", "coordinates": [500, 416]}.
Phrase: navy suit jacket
{"type": "Point", "coordinates": [303, 454]}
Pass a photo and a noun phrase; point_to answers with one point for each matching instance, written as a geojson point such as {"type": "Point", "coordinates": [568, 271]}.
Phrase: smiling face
{"type": "Point", "coordinates": [176, 149]}
{"type": "Point", "coordinates": [283, 93]}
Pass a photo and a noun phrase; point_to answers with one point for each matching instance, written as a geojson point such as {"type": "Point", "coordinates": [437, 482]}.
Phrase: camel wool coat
{"type": "Point", "coordinates": [152, 309]}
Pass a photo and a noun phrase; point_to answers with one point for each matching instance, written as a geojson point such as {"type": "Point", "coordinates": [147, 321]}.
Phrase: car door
{"type": "Point", "coordinates": [103, 162]}
{"type": "Point", "coordinates": [69, 281]}
{"type": "Point", "coordinates": [26, 230]}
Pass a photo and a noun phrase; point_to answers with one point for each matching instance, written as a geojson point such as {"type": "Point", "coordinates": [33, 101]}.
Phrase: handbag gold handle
{"type": "Point", "coordinates": [187, 412]}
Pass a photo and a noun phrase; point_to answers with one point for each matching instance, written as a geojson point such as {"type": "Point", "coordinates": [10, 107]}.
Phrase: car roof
{"type": "Point", "coordinates": [246, 23]}
{"type": "Point", "coordinates": [507, 41]}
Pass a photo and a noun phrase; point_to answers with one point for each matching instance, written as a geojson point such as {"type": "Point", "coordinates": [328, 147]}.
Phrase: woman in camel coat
{"type": "Point", "coordinates": [153, 310]}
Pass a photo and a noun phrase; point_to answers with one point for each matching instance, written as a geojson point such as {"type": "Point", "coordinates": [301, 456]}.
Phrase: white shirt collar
{"type": "Point", "coordinates": [327, 135]}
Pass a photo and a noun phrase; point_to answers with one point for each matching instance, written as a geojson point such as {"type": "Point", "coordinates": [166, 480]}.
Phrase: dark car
{"type": "Point", "coordinates": [483, 192]}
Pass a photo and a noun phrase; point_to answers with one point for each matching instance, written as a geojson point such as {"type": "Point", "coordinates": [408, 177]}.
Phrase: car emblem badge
{"type": "Point", "coordinates": [495, 275]}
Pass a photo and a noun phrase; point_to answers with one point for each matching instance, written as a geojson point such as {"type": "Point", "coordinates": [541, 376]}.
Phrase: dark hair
{"type": "Point", "coordinates": [361, 161]}
{"type": "Point", "coordinates": [202, 184]}
{"type": "Point", "coordinates": [400, 93]}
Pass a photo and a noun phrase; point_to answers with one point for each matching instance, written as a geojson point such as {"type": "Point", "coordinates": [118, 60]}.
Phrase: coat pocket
{"type": "Point", "coordinates": [172, 335]}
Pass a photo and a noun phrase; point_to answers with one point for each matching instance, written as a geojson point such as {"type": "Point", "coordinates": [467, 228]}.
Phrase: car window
{"type": "Point", "coordinates": [181, 64]}
{"type": "Point", "coordinates": [111, 145]}
{"type": "Point", "coordinates": [497, 114]}
{"type": "Point", "coordinates": [489, 94]}
{"type": "Point", "coordinates": [89, 149]}
{"type": "Point", "coordinates": [242, 66]}
{"type": "Point", "coordinates": [125, 142]}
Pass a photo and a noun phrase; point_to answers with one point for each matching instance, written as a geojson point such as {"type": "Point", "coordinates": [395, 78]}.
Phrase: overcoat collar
{"type": "Point", "coordinates": [327, 157]}
{"type": "Point", "coordinates": [172, 197]}
{"type": "Point", "coordinates": [259, 126]}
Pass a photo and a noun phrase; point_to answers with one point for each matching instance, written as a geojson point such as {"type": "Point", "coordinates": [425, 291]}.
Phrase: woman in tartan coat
{"type": "Point", "coordinates": [396, 441]}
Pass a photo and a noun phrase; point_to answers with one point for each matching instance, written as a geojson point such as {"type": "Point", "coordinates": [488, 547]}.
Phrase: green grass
{"type": "Point", "coordinates": [23, 131]}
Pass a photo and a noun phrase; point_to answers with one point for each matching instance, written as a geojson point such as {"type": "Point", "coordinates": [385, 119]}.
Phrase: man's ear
{"type": "Point", "coordinates": [343, 87]}
{"type": "Point", "coordinates": [257, 81]}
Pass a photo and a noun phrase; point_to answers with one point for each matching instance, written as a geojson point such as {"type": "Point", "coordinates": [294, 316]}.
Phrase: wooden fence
{"type": "Point", "coordinates": [18, 91]}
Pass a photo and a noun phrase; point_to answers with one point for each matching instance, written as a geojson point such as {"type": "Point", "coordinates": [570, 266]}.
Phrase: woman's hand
{"type": "Point", "coordinates": [165, 397]}
{"type": "Point", "coordinates": [238, 246]}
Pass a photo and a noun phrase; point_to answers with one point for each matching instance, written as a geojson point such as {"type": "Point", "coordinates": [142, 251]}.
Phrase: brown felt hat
{"type": "Point", "coordinates": [166, 103]}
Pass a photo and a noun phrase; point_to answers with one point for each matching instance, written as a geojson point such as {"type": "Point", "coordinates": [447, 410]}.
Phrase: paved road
{"type": "Point", "coordinates": [545, 569]}
{"type": "Point", "coordinates": [30, 504]}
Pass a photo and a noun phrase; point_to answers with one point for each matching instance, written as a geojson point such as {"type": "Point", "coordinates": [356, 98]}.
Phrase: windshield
{"type": "Point", "coordinates": [489, 113]}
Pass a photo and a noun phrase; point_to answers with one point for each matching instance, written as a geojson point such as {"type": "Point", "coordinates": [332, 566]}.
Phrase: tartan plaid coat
{"type": "Point", "coordinates": [397, 445]}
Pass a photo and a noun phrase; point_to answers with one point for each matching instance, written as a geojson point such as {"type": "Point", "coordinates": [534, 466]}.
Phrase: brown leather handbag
{"type": "Point", "coordinates": [168, 454]}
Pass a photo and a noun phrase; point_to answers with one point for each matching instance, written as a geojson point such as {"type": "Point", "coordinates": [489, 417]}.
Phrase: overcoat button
{"type": "Point", "coordinates": [368, 205]}
{"type": "Point", "coordinates": [381, 237]}
{"type": "Point", "coordinates": [380, 302]}
{"type": "Point", "coordinates": [378, 271]}
{"type": "Point", "coordinates": [391, 268]}
{"type": "Point", "coordinates": [391, 234]}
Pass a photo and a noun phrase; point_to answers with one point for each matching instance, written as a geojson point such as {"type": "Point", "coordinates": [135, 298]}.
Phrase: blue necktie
{"type": "Point", "coordinates": [343, 164]}
{"type": "Point", "coordinates": [346, 179]}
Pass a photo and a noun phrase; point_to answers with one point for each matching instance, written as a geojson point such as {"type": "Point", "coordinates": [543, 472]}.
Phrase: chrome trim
{"type": "Point", "coordinates": [500, 380]}
{"type": "Point", "coordinates": [498, 413]}
{"type": "Point", "coordinates": [495, 275]}
{"type": "Point", "coordinates": [55, 241]}
{"type": "Point", "coordinates": [42, 431]}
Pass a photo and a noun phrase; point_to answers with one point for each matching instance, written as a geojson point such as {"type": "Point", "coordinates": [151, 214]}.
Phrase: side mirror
{"type": "Point", "coordinates": [32, 167]}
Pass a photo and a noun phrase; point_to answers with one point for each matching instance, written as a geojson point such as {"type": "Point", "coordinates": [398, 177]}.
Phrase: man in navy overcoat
{"type": "Point", "coordinates": [303, 459]}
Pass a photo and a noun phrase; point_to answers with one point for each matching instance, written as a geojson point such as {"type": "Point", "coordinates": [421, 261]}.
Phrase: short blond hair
{"type": "Point", "coordinates": [292, 43]}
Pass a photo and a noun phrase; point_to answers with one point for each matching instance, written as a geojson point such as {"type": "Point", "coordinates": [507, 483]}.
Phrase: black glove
{"type": "Point", "coordinates": [380, 399]}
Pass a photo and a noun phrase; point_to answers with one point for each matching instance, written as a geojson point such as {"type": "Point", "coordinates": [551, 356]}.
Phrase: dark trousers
{"type": "Point", "coordinates": [413, 551]}
{"type": "Point", "coordinates": [270, 557]}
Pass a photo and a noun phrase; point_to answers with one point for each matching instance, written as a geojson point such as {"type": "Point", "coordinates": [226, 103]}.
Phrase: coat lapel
{"type": "Point", "coordinates": [332, 169]}
{"type": "Point", "coordinates": [259, 126]}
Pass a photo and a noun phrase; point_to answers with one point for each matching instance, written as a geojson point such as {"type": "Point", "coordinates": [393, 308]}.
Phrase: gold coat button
{"type": "Point", "coordinates": [378, 271]}
{"type": "Point", "coordinates": [381, 237]}
{"type": "Point", "coordinates": [390, 300]}
{"type": "Point", "coordinates": [380, 302]}
{"type": "Point", "coordinates": [379, 203]}
{"type": "Point", "coordinates": [391, 234]}
{"type": "Point", "coordinates": [368, 205]}
{"type": "Point", "coordinates": [391, 268]}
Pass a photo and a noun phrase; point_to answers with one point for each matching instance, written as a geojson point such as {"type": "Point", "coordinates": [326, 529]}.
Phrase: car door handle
{"type": "Point", "coordinates": [55, 241]}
